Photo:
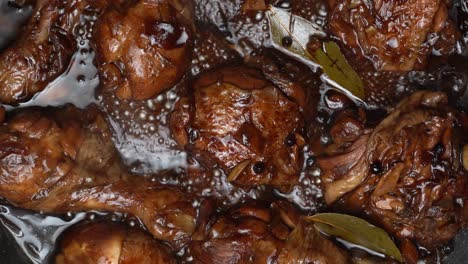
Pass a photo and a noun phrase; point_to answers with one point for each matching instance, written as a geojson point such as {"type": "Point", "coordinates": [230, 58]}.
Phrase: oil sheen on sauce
{"type": "Point", "coordinates": [141, 132]}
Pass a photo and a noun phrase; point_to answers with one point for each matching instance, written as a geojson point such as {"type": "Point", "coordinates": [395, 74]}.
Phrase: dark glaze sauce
{"type": "Point", "coordinates": [141, 129]}
{"type": "Point", "coordinates": [12, 16]}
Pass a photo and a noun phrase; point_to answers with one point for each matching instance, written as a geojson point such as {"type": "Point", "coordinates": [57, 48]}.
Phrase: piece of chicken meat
{"type": "Point", "coordinates": [143, 47]}
{"type": "Point", "coordinates": [104, 242]}
{"type": "Point", "coordinates": [395, 35]}
{"type": "Point", "coordinates": [405, 174]}
{"type": "Point", "coordinates": [62, 160]}
{"type": "Point", "coordinates": [257, 232]}
{"type": "Point", "coordinates": [244, 123]}
{"type": "Point", "coordinates": [44, 48]}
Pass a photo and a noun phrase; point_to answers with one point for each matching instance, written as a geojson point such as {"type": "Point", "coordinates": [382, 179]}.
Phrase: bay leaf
{"type": "Point", "coordinates": [356, 231]}
{"type": "Point", "coordinates": [338, 72]}
{"type": "Point", "coordinates": [283, 24]}
{"type": "Point", "coordinates": [337, 68]}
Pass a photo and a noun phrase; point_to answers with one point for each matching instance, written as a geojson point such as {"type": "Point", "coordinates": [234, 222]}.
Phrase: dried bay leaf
{"type": "Point", "coordinates": [281, 25]}
{"type": "Point", "coordinates": [356, 231]}
{"type": "Point", "coordinates": [337, 68]}
{"type": "Point", "coordinates": [338, 72]}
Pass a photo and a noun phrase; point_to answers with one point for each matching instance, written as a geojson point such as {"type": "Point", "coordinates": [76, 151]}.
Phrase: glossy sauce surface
{"type": "Point", "coordinates": [142, 132]}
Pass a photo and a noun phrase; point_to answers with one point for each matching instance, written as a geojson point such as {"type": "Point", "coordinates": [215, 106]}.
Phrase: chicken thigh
{"type": "Point", "coordinates": [395, 35]}
{"type": "Point", "coordinates": [256, 232]}
{"type": "Point", "coordinates": [245, 124]}
{"type": "Point", "coordinates": [405, 174]}
{"type": "Point", "coordinates": [144, 47]}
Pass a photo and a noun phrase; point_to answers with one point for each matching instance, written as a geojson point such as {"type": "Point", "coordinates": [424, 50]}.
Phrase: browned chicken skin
{"type": "Point", "coordinates": [144, 47]}
{"type": "Point", "coordinates": [255, 232]}
{"type": "Point", "coordinates": [142, 51]}
{"type": "Point", "coordinates": [405, 174]}
{"type": "Point", "coordinates": [395, 35]}
{"type": "Point", "coordinates": [63, 160]}
{"type": "Point", "coordinates": [104, 242]}
{"type": "Point", "coordinates": [244, 123]}
{"type": "Point", "coordinates": [43, 50]}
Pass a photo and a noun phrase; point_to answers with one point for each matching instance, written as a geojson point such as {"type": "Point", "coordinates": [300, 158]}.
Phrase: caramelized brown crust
{"type": "Point", "coordinates": [64, 160]}
{"type": "Point", "coordinates": [256, 232]}
{"type": "Point", "coordinates": [405, 174]}
{"type": "Point", "coordinates": [43, 50]}
{"type": "Point", "coordinates": [144, 47]}
{"type": "Point", "coordinates": [395, 35]}
{"type": "Point", "coordinates": [104, 242]}
{"type": "Point", "coordinates": [244, 123]}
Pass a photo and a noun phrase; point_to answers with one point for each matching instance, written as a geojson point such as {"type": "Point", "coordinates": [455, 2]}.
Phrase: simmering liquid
{"type": "Point", "coordinates": [141, 131]}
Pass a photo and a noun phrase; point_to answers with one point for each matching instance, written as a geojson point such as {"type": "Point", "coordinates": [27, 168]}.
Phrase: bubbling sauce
{"type": "Point", "coordinates": [34, 233]}
{"type": "Point", "coordinates": [78, 84]}
{"type": "Point", "coordinates": [141, 132]}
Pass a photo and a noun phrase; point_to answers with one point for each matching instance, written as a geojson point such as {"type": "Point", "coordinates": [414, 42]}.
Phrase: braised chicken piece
{"type": "Point", "coordinates": [405, 174]}
{"type": "Point", "coordinates": [395, 35]}
{"type": "Point", "coordinates": [113, 243]}
{"type": "Point", "coordinates": [144, 47]}
{"type": "Point", "coordinates": [44, 48]}
{"type": "Point", "coordinates": [256, 232]}
{"type": "Point", "coordinates": [62, 160]}
{"type": "Point", "coordinates": [244, 123]}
